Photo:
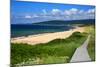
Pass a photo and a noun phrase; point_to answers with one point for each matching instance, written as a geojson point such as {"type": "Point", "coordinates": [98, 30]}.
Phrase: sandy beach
{"type": "Point", "coordinates": [46, 37]}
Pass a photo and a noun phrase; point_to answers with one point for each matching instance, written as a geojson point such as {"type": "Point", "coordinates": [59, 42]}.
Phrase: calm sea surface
{"type": "Point", "coordinates": [18, 30]}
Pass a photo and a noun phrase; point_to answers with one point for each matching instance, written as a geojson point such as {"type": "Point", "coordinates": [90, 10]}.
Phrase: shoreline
{"type": "Point", "coordinates": [41, 33]}
{"type": "Point", "coordinates": [45, 37]}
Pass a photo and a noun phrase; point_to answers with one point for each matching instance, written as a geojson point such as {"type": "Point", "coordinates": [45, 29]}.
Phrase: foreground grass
{"type": "Point", "coordinates": [55, 51]}
{"type": "Point", "coordinates": [91, 45]}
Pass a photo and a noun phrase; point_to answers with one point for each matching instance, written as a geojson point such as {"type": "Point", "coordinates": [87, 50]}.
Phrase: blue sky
{"type": "Point", "coordinates": [51, 11]}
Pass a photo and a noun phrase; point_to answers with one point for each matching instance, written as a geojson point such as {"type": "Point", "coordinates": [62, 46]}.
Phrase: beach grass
{"type": "Point", "coordinates": [55, 51]}
{"type": "Point", "coordinates": [91, 45]}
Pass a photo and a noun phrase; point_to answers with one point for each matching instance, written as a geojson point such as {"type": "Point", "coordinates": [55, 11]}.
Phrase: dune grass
{"type": "Point", "coordinates": [55, 51]}
{"type": "Point", "coordinates": [91, 45]}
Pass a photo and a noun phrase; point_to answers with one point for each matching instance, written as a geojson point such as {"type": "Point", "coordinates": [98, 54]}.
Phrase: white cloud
{"type": "Point", "coordinates": [69, 14]}
{"type": "Point", "coordinates": [73, 13]}
{"type": "Point", "coordinates": [73, 10]}
{"type": "Point", "coordinates": [91, 11]}
{"type": "Point", "coordinates": [56, 11]}
{"type": "Point", "coordinates": [28, 16]}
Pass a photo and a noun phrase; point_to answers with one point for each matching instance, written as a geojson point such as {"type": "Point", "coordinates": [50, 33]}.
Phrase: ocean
{"type": "Point", "coordinates": [18, 30]}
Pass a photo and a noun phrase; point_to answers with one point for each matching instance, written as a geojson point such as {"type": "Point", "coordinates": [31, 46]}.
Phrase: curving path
{"type": "Point", "coordinates": [81, 53]}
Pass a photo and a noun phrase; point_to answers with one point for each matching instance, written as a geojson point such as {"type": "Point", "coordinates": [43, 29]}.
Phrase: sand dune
{"type": "Point", "coordinates": [46, 37]}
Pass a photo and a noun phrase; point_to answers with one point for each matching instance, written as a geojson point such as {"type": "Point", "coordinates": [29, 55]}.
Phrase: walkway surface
{"type": "Point", "coordinates": [81, 53]}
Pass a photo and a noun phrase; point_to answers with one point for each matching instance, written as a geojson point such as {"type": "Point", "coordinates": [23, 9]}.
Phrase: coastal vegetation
{"type": "Point", "coordinates": [50, 33]}
{"type": "Point", "coordinates": [91, 45]}
{"type": "Point", "coordinates": [55, 51]}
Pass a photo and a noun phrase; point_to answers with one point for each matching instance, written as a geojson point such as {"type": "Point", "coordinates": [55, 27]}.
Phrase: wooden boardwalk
{"type": "Point", "coordinates": [81, 53]}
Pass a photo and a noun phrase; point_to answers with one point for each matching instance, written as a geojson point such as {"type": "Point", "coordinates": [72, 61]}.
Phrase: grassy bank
{"type": "Point", "coordinates": [55, 51]}
{"type": "Point", "coordinates": [91, 45]}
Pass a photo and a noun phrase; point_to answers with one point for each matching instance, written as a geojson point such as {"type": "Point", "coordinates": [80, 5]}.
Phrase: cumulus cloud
{"type": "Point", "coordinates": [56, 11]}
{"type": "Point", "coordinates": [73, 10]}
{"type": "Point", "coordinates": [68, 14]}
{"type": "Point", "coordinates": [91, 11]}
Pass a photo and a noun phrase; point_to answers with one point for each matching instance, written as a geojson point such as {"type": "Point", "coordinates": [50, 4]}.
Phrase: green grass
{"type": "Point", "coordinates": [91, 45]}
{"type": "Point", "coordinates": [55, 51]}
